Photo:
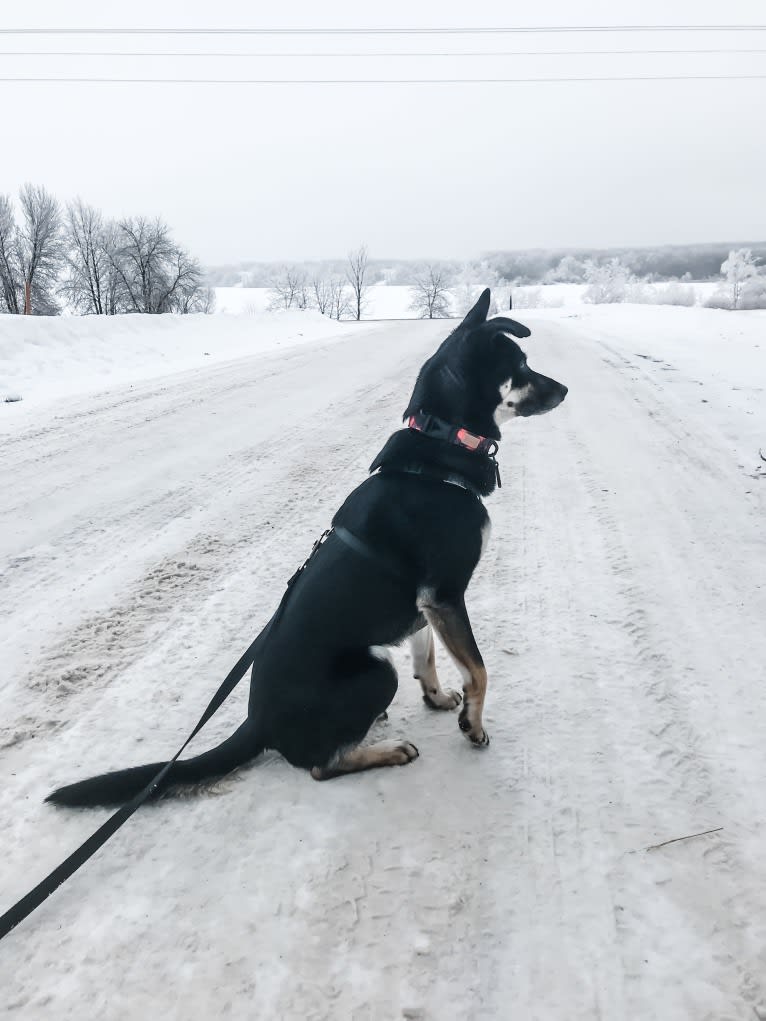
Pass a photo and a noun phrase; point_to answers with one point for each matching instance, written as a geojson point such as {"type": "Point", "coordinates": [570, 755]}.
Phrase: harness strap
{"type": "Point", "coordinates": [365, 550]}
{"type": "Point", "coordinates": [428, 472]}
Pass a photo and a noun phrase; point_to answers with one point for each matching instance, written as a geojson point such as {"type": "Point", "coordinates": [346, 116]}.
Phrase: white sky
{"type": "Point", "coordinates": [305, 171]}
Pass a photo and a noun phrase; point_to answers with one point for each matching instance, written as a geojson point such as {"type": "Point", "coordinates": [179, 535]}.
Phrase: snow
{"type": "Point", "coordinates": [42, 358]}
{"type": "Point", "coordinates": [146, 533]}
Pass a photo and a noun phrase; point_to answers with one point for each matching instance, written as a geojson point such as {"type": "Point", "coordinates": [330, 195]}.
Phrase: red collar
{"type": "Point", "coordinates": [430, 425]}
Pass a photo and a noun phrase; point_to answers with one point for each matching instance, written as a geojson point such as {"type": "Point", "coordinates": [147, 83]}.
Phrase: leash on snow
{"type": "Point", "coordinates": [24, 907]}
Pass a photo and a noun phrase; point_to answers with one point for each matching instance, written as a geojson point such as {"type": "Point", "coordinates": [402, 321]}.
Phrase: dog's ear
{"type": "Point", "coordinates": [478, 313]}
{"type": "Point", "coordinates": [511, 326]}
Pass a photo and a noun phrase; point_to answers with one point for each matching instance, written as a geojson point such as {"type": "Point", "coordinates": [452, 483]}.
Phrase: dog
{"type": "Point", "coordinates": [395, 565]}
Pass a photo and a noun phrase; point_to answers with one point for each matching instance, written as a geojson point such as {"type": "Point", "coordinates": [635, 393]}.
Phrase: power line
{"type": "Point", "coordinates": [381, 81]}
{"type": "Point", "coordinates": [359, 53]}
{"type": "Point", "coordinates": [483, 30]}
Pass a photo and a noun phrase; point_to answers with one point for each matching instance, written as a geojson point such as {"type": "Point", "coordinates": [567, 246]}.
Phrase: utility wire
{"type": "Point", "coordinates": [355, 53]}
{"type": "Point", "coordinates": [484, 30]}
{"type": "Point", "coordinates": [381, 81]}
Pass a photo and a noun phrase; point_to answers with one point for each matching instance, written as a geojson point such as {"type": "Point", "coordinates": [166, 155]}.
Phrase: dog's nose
{"type": "Point", "coordinates": [564, 391]}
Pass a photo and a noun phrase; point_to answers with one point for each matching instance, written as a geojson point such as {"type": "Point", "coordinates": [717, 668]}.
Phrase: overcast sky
{"type": "Point", "coordinates": [449, 170]}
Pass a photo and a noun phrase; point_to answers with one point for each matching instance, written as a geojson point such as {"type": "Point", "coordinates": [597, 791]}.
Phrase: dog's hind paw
{"type": "Point", "coordinates": [446, 698]}
{"type": "Point", "coordinates": [384, 753]}
{"type": "Point", "coordinates": [405, 752]}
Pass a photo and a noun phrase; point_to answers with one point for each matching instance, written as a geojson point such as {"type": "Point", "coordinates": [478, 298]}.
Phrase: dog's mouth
{"type": "Point", "coordinates": [537, 403]}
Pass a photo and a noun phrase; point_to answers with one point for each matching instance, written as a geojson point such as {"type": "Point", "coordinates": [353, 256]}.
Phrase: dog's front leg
{"type": "Point", "coordinates": [449, 618]}
{"type": "Point", "coordinates": [424, 670]}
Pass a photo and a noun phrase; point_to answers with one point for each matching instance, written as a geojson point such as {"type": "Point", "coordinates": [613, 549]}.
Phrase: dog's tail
{"type": "Point", "coordinates": [118, 787]}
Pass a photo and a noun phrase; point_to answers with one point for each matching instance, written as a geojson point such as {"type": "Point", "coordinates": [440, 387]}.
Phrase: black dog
{"type": "Point", "coordinates": [397, 563]}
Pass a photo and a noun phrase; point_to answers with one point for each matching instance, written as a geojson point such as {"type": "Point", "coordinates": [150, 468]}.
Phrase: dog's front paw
{"type": "Point", "coordinates": [477, 735]}
{"type": "Point", "coordinates": [481, 740]}
{"type": "Point", "coordinates": [446, 698]}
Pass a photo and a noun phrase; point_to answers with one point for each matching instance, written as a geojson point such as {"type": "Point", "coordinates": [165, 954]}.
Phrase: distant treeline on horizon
{"type": "Point", "coordinates": [532, 266]}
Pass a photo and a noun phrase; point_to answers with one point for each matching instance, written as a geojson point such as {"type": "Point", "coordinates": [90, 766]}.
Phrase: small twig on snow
{"type": "Point", "coordinates": [763, 458]}
{"type": "Point", "coordinates": [689, 836]}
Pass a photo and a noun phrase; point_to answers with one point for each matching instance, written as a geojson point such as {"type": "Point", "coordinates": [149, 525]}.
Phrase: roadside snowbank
{"type": "Point", "coordinates": [44, 358]}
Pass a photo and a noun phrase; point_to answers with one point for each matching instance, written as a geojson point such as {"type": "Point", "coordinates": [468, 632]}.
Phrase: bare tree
{"type": "Point", "coordinates": [30, 252]}
{"type": "Point", "coordinates": [41, 249]}
{"type": "Point", "coordinates": [322, 288]}
{"type": "Point", "coordinates": [289, 288]}
{"type": "Point", "coordinates": [87, 259]}
{"type": "Point", "coordinates": [153, 274]}
{"type": "Point", "coordinates": [431, 299]}
{"type": "Point", "coordinates": [139, 257]}
{"type": "Point", "coordinates": [356, 274]}
{"type": "Point", "coordinates": [179, 283]}
{"type": "Point", "coordinates": [195, 298]}
{"type": "Point", "coordinates": [10, 274]}
{"type": "Point", "coordinates": [303, 295]}
{"type": "Point", "coordinates": [341, 304]}
{"type": "Point", "coordinates": [113, 289]}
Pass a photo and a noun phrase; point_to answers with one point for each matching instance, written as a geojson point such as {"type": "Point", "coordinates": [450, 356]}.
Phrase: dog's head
{"type": "Point", "coordinates": [479, 376]}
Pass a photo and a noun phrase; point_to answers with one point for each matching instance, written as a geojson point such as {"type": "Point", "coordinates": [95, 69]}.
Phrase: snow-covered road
{"type": "Point", "coordinates": [145, 534]}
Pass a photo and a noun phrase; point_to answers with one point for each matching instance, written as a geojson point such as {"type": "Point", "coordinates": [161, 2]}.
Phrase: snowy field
{"type": "Point", "coordinates": [384, 301]}
{"type": "Point", "coordinates": [146, 532]}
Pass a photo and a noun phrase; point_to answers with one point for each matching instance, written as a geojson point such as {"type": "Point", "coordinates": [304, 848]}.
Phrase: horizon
{"type": "Point", "coordinates": [532, 250]}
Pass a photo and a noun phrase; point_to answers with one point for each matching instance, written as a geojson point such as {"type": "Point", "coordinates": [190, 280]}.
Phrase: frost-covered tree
{"type": "Point", "coordinates": [31, 252]}
{"type": "Point", "coordinates": [40, 249]}
{"type": "Point", "coordinates": [91, 285]}
{"type": "Point", "coordinates": [675, 293]}
{"type": "Point", "coordinates": [738, 269]}
{"type": "Point", "coordinates": [570, 270]}
{"type": "Point", "coordinates": [468, 283]}
{"type": "Point", "coordinates": [430, 293]}
{"type": "Point", "coordinates": [10, 275]}
{"type": "Point", "coordinates": [607, 283]}
{"type": "Point", "coordinates": [156, 275]}
{"type": "Point", "coordinates": [754, 293]}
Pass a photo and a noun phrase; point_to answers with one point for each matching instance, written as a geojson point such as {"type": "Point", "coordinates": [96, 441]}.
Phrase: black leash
{"type": "Point", "coordinates": [24, 907]}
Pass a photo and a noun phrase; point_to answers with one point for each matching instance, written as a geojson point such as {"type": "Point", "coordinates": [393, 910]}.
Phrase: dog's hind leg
{"type": "Point", "coordinates": [384, 753]}
{"type": "Point", "coordinates": [424, 670]}
{"type": "Point", "coordinates": [351, 704]}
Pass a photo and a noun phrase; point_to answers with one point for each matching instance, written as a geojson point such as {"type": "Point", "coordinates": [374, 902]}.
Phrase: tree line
{"type": "Point", "coordinates": [339, 295]}
{"type": "Point", "coordinates": [53, 255]}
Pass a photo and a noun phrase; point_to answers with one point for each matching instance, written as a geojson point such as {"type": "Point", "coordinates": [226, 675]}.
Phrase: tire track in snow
{"type": "Point", "coordinates": [685, 772]}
